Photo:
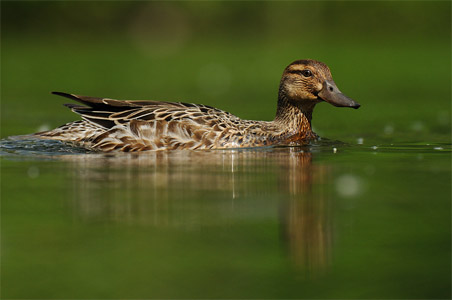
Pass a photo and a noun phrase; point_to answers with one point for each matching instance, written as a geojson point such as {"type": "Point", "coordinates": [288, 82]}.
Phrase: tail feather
{"type": "Point", "coordinates": [98, 103]}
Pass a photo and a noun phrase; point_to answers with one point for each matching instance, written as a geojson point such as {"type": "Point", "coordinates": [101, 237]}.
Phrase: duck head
{"type": "Point", "coordinates": [307, 82]}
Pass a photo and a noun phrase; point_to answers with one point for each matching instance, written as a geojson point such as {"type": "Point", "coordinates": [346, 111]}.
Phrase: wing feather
{"type": "Point", "coordinates": [144, 125]}
{"type": "Point", "coordinates": [110, 112]}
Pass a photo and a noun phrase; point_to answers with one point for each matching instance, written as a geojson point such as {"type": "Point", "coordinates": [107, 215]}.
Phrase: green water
{"type": "Point", "coordinates": [365, 213]}
{"type": "Point", "coordinates": [325, 221]}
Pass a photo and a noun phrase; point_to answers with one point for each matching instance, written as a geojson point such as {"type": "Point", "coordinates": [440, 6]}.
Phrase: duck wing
{"type": "Point", "coordinates": [145, 125]}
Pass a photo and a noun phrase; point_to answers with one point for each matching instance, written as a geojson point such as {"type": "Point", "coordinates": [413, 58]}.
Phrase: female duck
{"type": "Point", "coordinates": [109, 124]}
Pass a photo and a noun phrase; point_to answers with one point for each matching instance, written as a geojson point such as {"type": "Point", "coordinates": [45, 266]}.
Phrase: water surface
{"type": "Point", "coordinates": [328, 220]}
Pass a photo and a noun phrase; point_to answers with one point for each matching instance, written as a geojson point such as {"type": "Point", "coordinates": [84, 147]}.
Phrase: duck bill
{"type": "Point", "coordinates": [331, 94]}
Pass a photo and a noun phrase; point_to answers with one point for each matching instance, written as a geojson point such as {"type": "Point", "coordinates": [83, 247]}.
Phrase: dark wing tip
{"type": "Point", "coordinates": [75, 106]}
{"type": "Point", "coordinates": [90, 101]}
{"type": "Point", "coordinates": [70, 96]}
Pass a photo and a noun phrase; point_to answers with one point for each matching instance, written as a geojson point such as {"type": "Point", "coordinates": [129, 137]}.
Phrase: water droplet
{"type": "Point", "coordinates": [438, 148]}
{"type": "Point", "coordinates": [348, 185]}
{"type": "Point", "coordinates": [374, 147]}
{"type": "Point", "coordinates": [334, 150]}
{"type": "Point", "coordinates": [417, 126]}
{"type": "Point", "coordinates": [389, 129]}
{"type": "Point", "coordinates": [44, 127]}
{"type": "Point", "coordinates": [360, 141]}
{"type": "Point", "coordinates": [33, 172]}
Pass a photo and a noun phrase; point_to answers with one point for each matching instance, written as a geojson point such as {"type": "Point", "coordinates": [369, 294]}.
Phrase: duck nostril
{"type": "Point", "coordinates": [330, 88]}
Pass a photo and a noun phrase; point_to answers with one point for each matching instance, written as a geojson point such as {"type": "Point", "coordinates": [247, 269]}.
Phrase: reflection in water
{"type": "Point", "coordinates": [190, 189]}
{"type": "Point", "coordinates": [307, 218]}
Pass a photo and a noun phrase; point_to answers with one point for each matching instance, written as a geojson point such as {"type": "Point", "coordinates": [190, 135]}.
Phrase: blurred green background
{"type": "Point", "coordinates": [392, 56]}
{"type": "Point", "coordinates": [371, 221]}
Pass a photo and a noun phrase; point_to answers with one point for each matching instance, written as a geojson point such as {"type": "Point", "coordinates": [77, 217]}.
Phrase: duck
{"type": "Point", "coordinates": [140, 125]}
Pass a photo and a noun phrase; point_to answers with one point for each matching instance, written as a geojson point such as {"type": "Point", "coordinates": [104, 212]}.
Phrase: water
{"type": "Point", "coordinates": [328, 220]}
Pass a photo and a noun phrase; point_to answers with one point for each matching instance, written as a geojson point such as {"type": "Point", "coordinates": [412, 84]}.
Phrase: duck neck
{"type": "Point", "coordinates": [294, 116]}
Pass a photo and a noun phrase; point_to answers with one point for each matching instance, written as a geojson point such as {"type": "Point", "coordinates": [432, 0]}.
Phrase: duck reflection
{"type": "Point", "coordinates": [306, 214]}
{"type": "Point", "coordinates": [191, 189]}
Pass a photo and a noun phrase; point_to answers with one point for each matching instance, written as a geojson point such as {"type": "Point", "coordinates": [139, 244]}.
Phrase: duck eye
{"type": "Point", "coordinates": [306, 73]}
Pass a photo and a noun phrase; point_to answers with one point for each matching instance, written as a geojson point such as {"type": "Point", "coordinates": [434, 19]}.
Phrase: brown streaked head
{"type": "Point", "coordinates": [310, 81]}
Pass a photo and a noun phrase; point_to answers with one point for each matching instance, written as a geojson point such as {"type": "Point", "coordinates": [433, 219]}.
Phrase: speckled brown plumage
{"type": "Point", "coordinates": [109, 124]}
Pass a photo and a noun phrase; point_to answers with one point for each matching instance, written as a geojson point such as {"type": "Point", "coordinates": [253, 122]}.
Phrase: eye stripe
{"type": "Point", "coordinates": [305, 72]}
{"type": "Point", "coordinates": [295, 72]}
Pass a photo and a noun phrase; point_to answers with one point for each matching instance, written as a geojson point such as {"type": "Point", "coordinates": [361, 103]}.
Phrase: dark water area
{"type": "Point", "coordinates": [328, 220]}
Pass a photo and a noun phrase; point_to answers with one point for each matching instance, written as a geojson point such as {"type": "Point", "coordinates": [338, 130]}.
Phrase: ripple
{"type": "Point", "coordinates": [31, 146]}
